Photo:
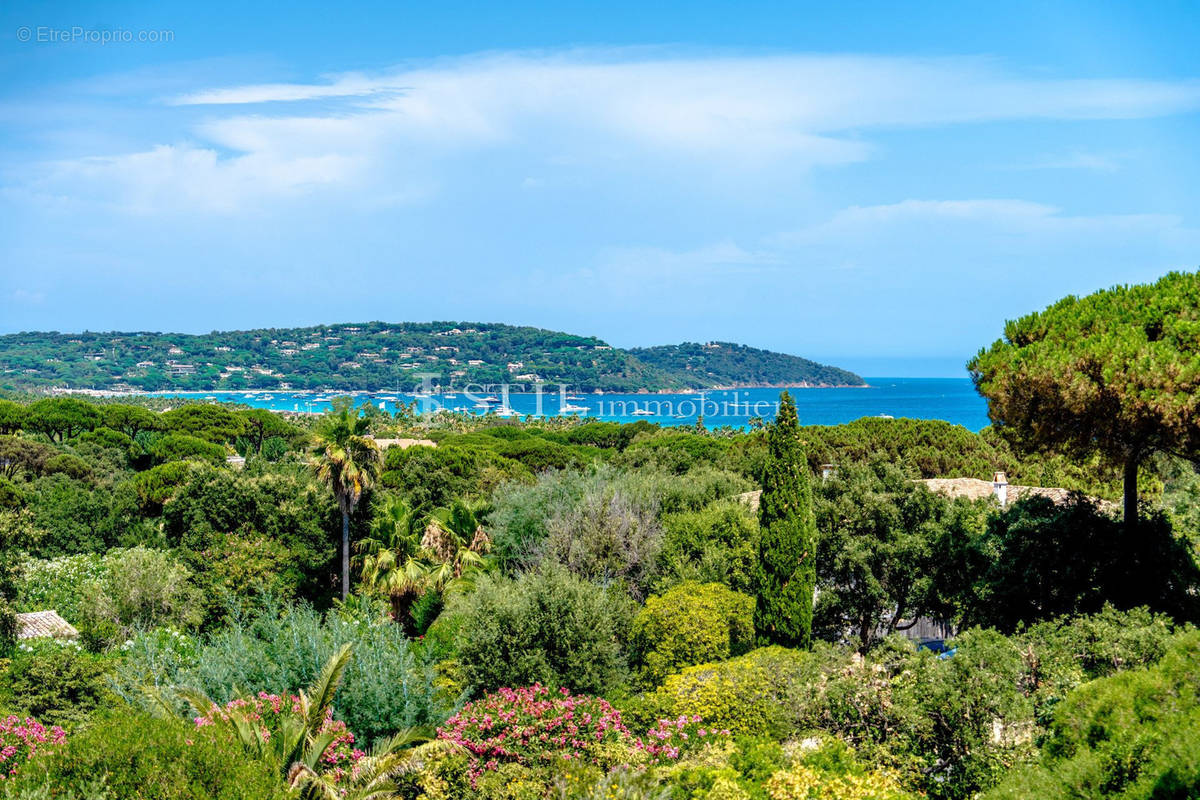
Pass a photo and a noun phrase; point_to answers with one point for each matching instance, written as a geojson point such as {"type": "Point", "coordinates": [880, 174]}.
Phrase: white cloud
{"type": "Point", "coordinates": [740, 114]}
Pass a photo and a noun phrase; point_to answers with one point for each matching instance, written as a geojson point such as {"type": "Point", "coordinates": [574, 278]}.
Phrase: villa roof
{"type": "Point", "coordinates": [40, 624]}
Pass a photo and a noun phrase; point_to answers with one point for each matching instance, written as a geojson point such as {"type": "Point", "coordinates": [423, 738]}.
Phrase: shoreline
{"type": "Point", "coordinates": [60, 390]}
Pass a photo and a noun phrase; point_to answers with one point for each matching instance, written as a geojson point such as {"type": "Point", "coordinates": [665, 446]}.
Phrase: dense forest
{"type": "Point", "coordinates": [378, 356]}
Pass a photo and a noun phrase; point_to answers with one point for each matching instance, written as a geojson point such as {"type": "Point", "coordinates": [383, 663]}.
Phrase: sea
{"type": "Point", "coordinates": [951, 399]}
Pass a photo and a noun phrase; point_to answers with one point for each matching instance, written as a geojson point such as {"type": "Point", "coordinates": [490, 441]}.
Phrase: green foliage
{"type": "Point", "coordinates": [1113, 373]}
{"type": "Point", "coordinates": [139, 588]}
{"type": "Point", "coordinates": [181, 447]}
{"type": "Point", "coordinates": [786, 575]}
{"type": "Point", "coordinates": [10, 495]}
{"type": "Point", "coordinates": [12, 416]}
{"type": "Point", "coordinates": [580, 361]}
{"type": "Point", "coordinates": [1133, 736]}
{"type": "Point", "coordinates": [718, 543]}
{"type": "Point", "coordinates": [882, 552]}
{"type": "Point", "coordinates": [729, 364]}
{"type": "Point", "coordinates": [746, 695]}
{"type": "Point", "coordinates": [387, 685]}
{"type": "Point", "coordinates": [155, 486]}
{"type": "Point", "coordinates": [1037, 560]}
{"type": "Point", "coordinates": [56, 682]}
{"type": "Point", "coordinates": [23, 456]}
{"type": "Point", "coordinates": [690, 624]}
{"type": "Point", "coordinates": [69, 465]}
{"type": "Point", "coordinates": [130, 420]}
{"type": "Point", "coordinates": [211, 422]}
{"type": "Point", "coordinates": [61, 418]}
{"type": "Point", "coordinates": [127, 755]}
{"type": "Point", "coordinates": [545, 627]}
{"type": "Point", "coordinates": [58, 583]}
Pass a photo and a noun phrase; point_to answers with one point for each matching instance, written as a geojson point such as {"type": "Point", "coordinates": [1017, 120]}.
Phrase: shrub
{"type": "Point", "coordinates": [608, 537]}
{"type": "Point", "coordinates": [21, 738]}
{"type": "Point", "coordinates": [1135, 735]}
{"type": "Point", "coordinates": [69, 465]}
{"type": "Point", "coordinates": [10, 495]}
{"type": "Point", "coordinates": [746, 695]}
{"type": "Point", "coordinates": [140, 588]}
{"type": "Point", "coordinates": [58, 583]}
{"type": "Point", "coordinates": [274, 649]}
{"type": "Point", "coordinates": [136, 755]}
{"type": "Point", "coordinates": [545, 627]}
{"type": "Point", "coordinates": [816, 778]}
{"type": "Point", "coordinates": [691, 624]}
{"type": "Point", "coordinates": [535, 727]}
{"type": "Point", "coordinates": [717, 544]}
{"type": "Point", "coordinates": [56, 682]}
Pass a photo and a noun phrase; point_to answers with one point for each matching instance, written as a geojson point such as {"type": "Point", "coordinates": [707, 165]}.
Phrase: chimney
{"type": "Point", "coordinates": [1000, 488]}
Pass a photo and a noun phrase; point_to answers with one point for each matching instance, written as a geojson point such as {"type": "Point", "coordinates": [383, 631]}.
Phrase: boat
{"type": "Point", "coordinates": [885, 416]}
{"type": "Point", "coordinates": [574, 397]}
{"type": "Point", "coordinates": [450, 396]}
{"type": "Point", "coordinates": [643, 412]}
{"type": "Point", "coordinates": [506, 412]}
{"type": "Point", "coordinates": [484, 407]}
{"type": "Point", "coordinates": [570, 409]}
{"type": "Point", "coordinates": [491, 398]}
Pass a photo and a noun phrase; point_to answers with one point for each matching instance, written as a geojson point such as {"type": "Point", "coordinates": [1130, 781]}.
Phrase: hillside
{"type": "Point", "coordinates": [729, 364]}
{"type": "Point", "coordinates": [383, 356]}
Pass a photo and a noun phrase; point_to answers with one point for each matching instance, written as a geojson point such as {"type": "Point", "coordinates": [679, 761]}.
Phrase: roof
{"type": "Point", "coordinates": [404, 444]}
{"type": "Point", "coordinates": [976, 489]}
{"type": "Point", "coordinates": [39, 624]}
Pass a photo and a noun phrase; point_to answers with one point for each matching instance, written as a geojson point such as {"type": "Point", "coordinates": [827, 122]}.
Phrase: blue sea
{"type": "Point", "coordinates": [950, 399]}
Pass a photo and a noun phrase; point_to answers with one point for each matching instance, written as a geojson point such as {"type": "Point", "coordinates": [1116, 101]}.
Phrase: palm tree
{"type": "Point", "coordinates": [391, 560]}
{"type": "Point", "coordinates": [456, 544]}
{"type": "Point", "coordinates": [374, 775]}
{"type": "Point", "coordinates": [301, 738]}
{"type": "Point", "coordinates": [347, 461]}
{"type": "Point", "coordinates": [303, 741]}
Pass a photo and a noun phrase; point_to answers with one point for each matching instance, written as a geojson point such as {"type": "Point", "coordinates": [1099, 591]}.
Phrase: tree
{"type": "Point", "coordinates": [878, 550]}
{"type": "Point", "coordinates": [61, 418]}
{"type": "Point", "coordinates": [391, 561]}
{"type": "Point", "coordinates": [348, 462]}
{"type": "Point", "coordinates": [1115, 373]}
{"type": "Point", "coordinates": [130, 420]}
{"type": "Point", "coordinates": [262, 424]}
{"type": "Point", "coordinates": [208, 421]}
{"type": "Point", "coordinates": [12, 416]}
{"type": "Point", "coordinates": [456, 545]}
{"type": "Point", "coordinates": [786, 574]}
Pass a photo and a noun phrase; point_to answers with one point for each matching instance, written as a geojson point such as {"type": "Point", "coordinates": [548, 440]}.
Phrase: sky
{"type": "Point", "coordinates": [875, 185]}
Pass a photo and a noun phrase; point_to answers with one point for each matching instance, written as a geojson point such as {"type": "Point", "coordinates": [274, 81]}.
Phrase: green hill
{"type": "Point", "coordinates": [735, 365]}
{"type": "Point", "coordinates": [377, 356]}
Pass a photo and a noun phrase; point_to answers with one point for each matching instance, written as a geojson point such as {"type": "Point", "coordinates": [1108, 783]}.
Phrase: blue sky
{"type": "Point", "coordinates": [878, 185]}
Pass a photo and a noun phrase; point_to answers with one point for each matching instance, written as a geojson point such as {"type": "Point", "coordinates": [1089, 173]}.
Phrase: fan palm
{"type": "Point", "coordinates": [456, 544]}
{"type": "Point", "coordinates": [348, 461]}
{"type": "Point", "coordinates": [391, 560]}
{"type": "Point", "coordinates": [303, 737]}
{"type": "Point", "coordinates": [374, 775]}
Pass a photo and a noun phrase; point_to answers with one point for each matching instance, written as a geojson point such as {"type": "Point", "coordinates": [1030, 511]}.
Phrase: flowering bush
{"type": "Point", "coordinates": [20, 739]}
{"type": "Point", "coordinates": [268, 711]}
{"type": "Point", "coordinates": [533, 726]}
{"type": "Point", "coordinates": [672, 737]}
{"type": "Point", "coordinates": [58, 583]}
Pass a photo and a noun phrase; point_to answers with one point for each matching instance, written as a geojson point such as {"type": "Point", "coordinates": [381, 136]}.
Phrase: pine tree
{"type": "Point", "coordinates": [786, 572]}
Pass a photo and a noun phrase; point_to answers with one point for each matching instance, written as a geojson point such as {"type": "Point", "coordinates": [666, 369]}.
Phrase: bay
{"type": "Point", "coordinates": [951, 399]}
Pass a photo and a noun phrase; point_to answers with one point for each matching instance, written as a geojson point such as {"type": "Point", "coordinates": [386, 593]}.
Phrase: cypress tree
{"type": "Point", "coordinates": [786, 573]}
